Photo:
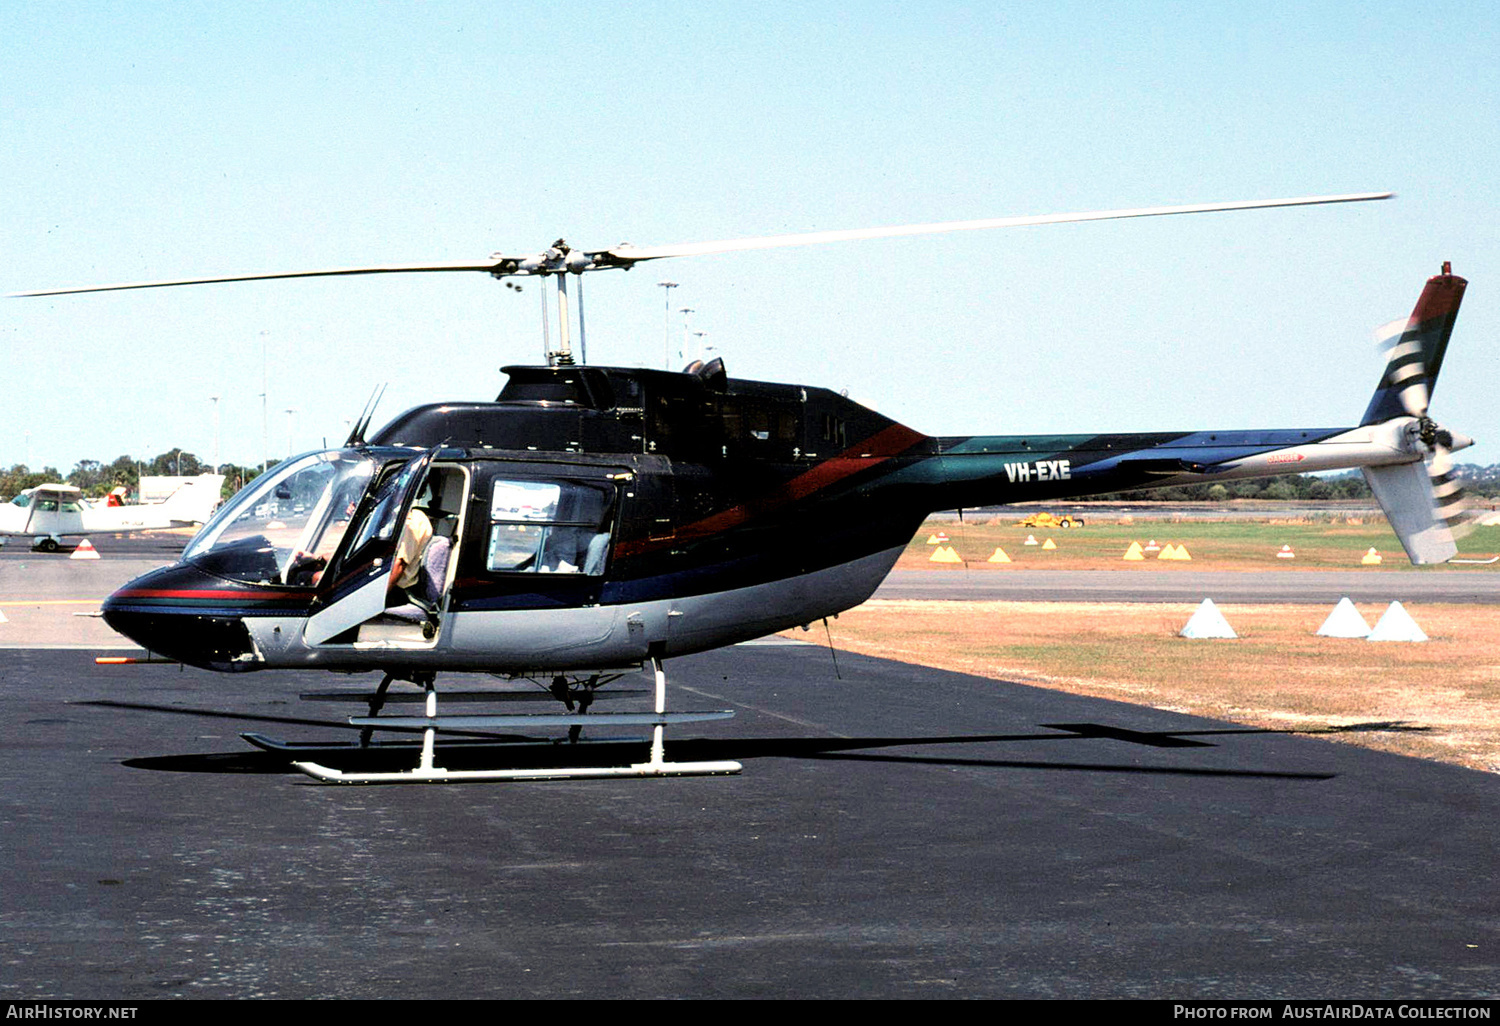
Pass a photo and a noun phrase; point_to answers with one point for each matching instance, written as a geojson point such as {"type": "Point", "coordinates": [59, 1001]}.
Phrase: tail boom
{"type": "Point", "coordinates": [1389, 446]}
{"type": "Point", "coordinates": [996, 471]}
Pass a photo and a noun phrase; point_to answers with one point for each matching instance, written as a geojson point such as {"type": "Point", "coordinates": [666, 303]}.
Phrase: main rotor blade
{"type": "Point", "coordinates": [633, 253]}
{"type": "Point", "coordinates": [553, 261]}
{"type": "Point", "coordinates": [491, 266]}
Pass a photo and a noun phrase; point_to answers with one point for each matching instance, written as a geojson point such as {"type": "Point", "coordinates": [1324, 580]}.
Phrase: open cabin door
{"type": "Point", "coordinates": [361, 580]}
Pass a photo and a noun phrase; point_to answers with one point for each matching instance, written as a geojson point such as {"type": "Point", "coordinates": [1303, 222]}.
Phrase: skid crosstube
{"type": "Point", "coordinates": [427, 772]}
{"type": "Point", "coordinates": [267, 743]}
{"type": "Point", "coordinates": [501, 720]}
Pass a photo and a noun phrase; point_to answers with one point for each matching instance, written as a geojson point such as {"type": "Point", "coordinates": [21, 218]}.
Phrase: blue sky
{"type": "Point", "coordinates": [154, 140]}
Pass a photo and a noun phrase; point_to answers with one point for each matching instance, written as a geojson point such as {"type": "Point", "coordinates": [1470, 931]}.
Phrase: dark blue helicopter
{"type": "Point", "coordinates": [593, 519]}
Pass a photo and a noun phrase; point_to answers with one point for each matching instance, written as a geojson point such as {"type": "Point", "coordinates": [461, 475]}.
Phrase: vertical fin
{"type": "Point", "coordinates": [1405, 492]}
{"type": "Point", "coordinates": [1416, 350]}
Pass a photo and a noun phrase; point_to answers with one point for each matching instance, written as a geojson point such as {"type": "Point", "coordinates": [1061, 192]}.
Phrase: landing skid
{"type": "Point", "coordinates": [427, 772]}
{"type": "Point", "coordinates": [439, 775]}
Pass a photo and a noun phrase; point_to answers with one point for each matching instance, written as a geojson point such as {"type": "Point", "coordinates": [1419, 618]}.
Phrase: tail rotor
{"type": "Point", "coordinates": [1448, 490]}
{"type": "Point", "coordinates": [1407, 374]}
{"type": "Point", "coordinates": [1424, 509]}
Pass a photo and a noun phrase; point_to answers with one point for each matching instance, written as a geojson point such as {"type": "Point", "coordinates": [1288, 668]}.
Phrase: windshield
{"type": "Point", "coordinates": [284, 526]}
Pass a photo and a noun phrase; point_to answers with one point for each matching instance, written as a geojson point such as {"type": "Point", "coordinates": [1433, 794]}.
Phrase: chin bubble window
{"type": "Point", "coordinates": [548, 527]}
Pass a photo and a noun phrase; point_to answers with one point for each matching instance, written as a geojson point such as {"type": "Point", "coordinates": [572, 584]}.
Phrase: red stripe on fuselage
{"type": "Point", "coordinates": [876, 449]}
{"type": "Point", "coordinates": [202, 593]}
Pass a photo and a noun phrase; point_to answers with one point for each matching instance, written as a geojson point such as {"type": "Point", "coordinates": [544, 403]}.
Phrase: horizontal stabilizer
{"type": "Point", "coordinates": [1167, 467]}
{"type": "Point", "coordinates": [1404, 491]}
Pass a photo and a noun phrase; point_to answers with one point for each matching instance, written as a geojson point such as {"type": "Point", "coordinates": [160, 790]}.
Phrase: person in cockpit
{"type": "Point", "coordinates": [416, 534]}
{"type": "Point", "coordinates": [420, 567]}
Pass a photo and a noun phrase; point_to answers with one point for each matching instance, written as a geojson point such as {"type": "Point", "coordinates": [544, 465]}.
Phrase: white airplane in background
{"type": "Point", "coordinates": [49, 512]}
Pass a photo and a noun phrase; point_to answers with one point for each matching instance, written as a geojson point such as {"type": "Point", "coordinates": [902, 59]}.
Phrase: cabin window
{"type": "Point", "coordinates": [759, 423]}
{"type": "Point", "coordinates": [833, 432]}
{"type": "Point", "coordinates": [548, 527]}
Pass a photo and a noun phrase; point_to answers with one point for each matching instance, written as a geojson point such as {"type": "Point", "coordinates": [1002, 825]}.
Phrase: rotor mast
{"type": "Point", "coordinates": [558, 261]}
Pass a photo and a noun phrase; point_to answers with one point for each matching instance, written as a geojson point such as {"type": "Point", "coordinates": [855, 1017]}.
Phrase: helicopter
{"type": "Point", "coordinates": [593, 520]}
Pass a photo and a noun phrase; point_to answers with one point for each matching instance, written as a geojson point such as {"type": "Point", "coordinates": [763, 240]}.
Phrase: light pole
{"type": "Point", "coordinates": [668, 286]}
{"type": "Point", "coordinates": [684, 311]}
{"type": "Point", "coordinates": [265, 444]}
{"type": "Point", "coordinates": [291, 415]}
{"type": "Point", "coordinates": [215, 400]}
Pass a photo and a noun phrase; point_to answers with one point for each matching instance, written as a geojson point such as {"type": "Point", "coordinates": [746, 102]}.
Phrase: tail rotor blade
{"type": "Point", "coordinates": [1448, 495]}
{"type": "Point", "coordinates": [1405, 370]}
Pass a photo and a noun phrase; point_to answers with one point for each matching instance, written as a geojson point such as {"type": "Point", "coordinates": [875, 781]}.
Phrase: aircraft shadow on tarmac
{"type": "Point", "coordinates": [525, 752]}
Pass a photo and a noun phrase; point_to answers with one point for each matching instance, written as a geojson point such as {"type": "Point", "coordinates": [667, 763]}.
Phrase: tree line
{"type": "Point", "coordinates": [96, 478]}
{"type": "Point", "coordinates": [1484, 481]}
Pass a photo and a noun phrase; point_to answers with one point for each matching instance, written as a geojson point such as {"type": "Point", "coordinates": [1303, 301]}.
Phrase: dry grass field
{"type": "Point", "coordinates": [1333, 542]}
{"type": "Point", "coordinates": [1438, 699]}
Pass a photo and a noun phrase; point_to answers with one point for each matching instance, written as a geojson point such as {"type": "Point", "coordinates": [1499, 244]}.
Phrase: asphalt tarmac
{"type": "Point", "coordinates": [896, 832]}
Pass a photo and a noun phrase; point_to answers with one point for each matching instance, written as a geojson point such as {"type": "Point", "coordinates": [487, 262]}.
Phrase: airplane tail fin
{"type": "Point", "coordinates": [195, 501]}
{"type": "Point", "coordinates": [1423, 503]}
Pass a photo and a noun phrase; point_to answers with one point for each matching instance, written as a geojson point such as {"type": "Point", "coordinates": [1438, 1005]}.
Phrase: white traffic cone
{"type": "Point", "coordinates": [1208, 622]}
{"type": "Point", "coordinates": [1344, 622]}
{"type": "Point", "coordinates": [1397, 625]}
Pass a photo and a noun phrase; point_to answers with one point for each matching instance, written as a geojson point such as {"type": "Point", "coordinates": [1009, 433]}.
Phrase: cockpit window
{"type": "Point", "coordinates": [285, 526]}
{"type": "Point", "coordinates": [559, 527]}
{"type": "Point", "coordinates": [23, 500]}
{"type": "Point", "coordinates": [380, 524]}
